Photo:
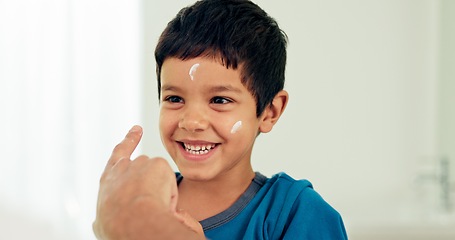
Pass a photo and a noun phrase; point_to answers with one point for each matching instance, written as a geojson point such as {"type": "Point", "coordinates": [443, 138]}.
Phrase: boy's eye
{"type": "Point", "coordinates": [220, 100]}
{"type": "Point", "coordinates": [173, 99]}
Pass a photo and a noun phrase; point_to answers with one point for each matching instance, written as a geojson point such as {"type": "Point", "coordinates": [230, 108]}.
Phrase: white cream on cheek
{"type": "Point", "coordinates": [236, 127]}
{"type": "Point", "coordinates": [193, 71]}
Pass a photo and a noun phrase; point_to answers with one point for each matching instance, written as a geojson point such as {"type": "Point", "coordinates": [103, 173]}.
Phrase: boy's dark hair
{"type": "Point", "coordinates": [239, 33]}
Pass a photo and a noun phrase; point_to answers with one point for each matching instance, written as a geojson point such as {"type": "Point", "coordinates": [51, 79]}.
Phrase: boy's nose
{"type": "Point", "coordinates": [193, 121]}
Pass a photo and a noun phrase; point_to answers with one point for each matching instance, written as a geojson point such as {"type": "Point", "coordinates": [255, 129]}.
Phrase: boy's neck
{"type": "Point", "coordinates": [219, 184]}
{"type": "Point", "coordinates": [203, 199]}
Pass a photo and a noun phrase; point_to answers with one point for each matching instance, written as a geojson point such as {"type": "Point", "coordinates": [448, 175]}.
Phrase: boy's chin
{"type": "Point", "coordinates": [198, 175]}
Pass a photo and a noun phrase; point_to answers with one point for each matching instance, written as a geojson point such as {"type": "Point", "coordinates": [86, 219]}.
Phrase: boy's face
{"type": "Point", "coordinates": [208, 120]}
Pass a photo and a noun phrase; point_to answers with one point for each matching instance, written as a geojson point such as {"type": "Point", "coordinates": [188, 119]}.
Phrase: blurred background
{"type": "Point", "coordinates": [370, 120]}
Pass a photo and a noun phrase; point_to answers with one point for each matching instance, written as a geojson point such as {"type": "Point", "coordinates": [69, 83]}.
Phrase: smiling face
{"type": "Point", "coordinates": [208, 120]}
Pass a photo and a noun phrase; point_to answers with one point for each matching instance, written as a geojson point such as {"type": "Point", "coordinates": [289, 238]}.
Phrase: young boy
{"type": "Point", "coordinates": [220, 69]}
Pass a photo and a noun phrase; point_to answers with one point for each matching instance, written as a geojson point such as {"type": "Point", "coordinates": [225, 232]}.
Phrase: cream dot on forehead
{"type": "Point", "coordinates": [193, 70]}
{"type": "Point", "coordinates": [236, 127]}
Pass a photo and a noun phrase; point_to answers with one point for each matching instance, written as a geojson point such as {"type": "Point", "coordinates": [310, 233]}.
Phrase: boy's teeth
{"type": "Point", "coordinates": [198, 149]}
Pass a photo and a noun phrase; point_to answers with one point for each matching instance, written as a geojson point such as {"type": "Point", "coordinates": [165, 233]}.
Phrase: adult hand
{"type": "Point", "coordinates": [137, 199]}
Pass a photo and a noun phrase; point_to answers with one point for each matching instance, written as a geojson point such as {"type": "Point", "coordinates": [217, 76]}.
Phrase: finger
{"type": "Point", "coordinates": [125, 148]}
{"type": "Point", "coordinates": [185, 218]}
{"type": "Point", "coordinates": [174, 197]}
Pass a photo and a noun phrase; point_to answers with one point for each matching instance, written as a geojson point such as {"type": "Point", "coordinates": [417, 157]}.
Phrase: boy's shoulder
{"type": "Point", "coordinates": [282, 184]}
{"type": "Point", "coordinates": [283, 179]}
{"type": "Point", "coordinates": [291, 195]}
{"type": "Point", "coordinates": [297, 209]}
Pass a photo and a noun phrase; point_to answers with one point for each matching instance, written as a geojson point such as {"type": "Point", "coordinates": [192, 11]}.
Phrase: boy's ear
{"type": "Point", "coordinates": [273, 112]}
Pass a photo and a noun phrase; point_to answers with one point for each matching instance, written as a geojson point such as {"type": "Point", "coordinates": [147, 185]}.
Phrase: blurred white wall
{"type": "Point", "coordinates": [70, 89]}
{"type": "Point", "coordinates": [370, 111]}
{"type": "Point", "coordinates": [446, 104]}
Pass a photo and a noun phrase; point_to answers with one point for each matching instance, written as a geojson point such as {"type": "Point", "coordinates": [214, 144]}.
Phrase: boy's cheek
{"type": "Point", "coordinates": [167, 117]}
{"type": "Point", "coordinates": [236, 127]}
{"type": "Point", "coordinates": [233, 127]}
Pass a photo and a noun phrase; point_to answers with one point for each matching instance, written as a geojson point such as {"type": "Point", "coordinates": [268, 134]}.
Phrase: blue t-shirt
{"type": "Point", "coordinates": [276, 208]}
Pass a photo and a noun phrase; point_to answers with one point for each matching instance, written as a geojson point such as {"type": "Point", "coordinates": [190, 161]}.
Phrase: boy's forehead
{"type": "Point", "coordinates": [190, 61]}
{"type": "Point", "coordinates": [211, 60]}
{"type": "Point", "coordinates": [197, 67]}
{"type": "Point", "coordinates": [204, 74]}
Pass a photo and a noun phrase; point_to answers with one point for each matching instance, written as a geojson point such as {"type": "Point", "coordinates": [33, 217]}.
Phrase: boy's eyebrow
{"type": "Point", "coordinates": [224, 88]}
{"type": "Point", "coordinates": [166, 87]}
